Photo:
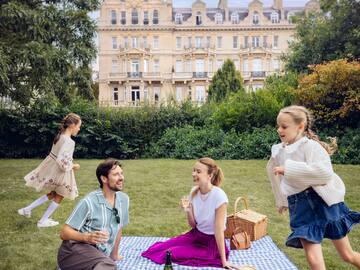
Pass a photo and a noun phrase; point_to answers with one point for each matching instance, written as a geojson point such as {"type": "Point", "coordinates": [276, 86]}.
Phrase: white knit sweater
{"type": "Point", "coordinates": [306, 164]}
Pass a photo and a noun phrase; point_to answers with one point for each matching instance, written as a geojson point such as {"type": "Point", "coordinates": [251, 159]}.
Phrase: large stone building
{"type": "Point", "coordinates": [150, 51]}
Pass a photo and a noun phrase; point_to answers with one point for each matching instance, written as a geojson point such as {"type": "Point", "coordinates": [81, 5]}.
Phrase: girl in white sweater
{"type": "Point", "coordinates": [303, 181]}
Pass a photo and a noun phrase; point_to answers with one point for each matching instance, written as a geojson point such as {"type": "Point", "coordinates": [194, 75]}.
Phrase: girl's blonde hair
{"type": "Point", "coordinates": [71, 118]}
{"type": "Point", "coordinates": [302, 115]}
{"type": "Point", "coordinates": [214, 169]}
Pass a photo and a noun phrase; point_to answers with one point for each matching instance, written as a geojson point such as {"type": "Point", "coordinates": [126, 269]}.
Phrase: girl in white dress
{"type": "Point", "coordinates": [55, 174]}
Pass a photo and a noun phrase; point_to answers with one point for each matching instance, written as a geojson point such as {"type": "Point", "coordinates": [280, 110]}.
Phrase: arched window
{"type": "Point", "coordinates": [290, 17]}
{"type": "Point", "coordinates": [235, 18]}
{"type": "Point", "coordinates": [198, 18]}
{"type": "Point", "coordinates": [274, 17]}
{"type": "Point", "coordinates": [255, 18]}
{"type": "Point", "coordinates": [218, 18]}
{"type": "Point", "coordinates": [134, 16]}
{"type": "Point", "coordinates": [156, 17]}
{"type": "Point", "coordinates": [178, 18]}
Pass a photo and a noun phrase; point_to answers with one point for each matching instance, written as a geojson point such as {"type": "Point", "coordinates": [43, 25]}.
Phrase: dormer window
{"type": "Point", "coordinates": [156, 17]}
{"type": "Point", "coordinates": [178, 18]}
{"type": "Point", "coordinates": [235, 18]}
{"type": "Point", "coordinates": [218, 18]}
{"type": "Point", "coordinates": [274, 17]}
{"type": "Point", "coordinates": [134, 16]}
{"type": "Point", "coordinates": [255, 18]}
{"type": "Point", "coordinates": [290, 17]}
{"type": "Point", "coordinates": [198, 18]}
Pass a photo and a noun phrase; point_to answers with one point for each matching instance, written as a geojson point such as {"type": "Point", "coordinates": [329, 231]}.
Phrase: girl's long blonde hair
{"type": "Point", "coordinates": [302, 115]}
{"type": "Point", "coordinates": [71, 118]}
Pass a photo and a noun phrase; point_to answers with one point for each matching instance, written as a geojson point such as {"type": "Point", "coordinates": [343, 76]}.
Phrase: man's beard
{"type": "Point", "coordinates": [115, 188]}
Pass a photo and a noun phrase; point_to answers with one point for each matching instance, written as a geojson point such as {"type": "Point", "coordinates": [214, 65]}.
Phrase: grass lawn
{"type": "Point", "coordinates": [154, 187]}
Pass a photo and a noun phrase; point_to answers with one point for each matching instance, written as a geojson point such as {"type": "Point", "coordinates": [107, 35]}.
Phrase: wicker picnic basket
{"type": "Point", "coordinates": [253, 223]}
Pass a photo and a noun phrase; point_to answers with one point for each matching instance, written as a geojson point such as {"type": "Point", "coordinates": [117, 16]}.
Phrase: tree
{"type": "Point", "coordinates": [332, 93]}
{"type": "Point", "coordinates": [46, 49]}
{"type": "Point", "coordinates": [331, 34]}
{"type": "Point", "coordinates": [226, 80]}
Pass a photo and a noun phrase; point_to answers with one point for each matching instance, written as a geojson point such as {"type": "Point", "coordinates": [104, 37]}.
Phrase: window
{"type": "Point", "coordinates": [208, 42]}
{"type": "Point", "coordinates": [113, 17]}
{"type": "Point", "coordinates": [235, 42]}
{"type": "Point", "coordinates": [156, 42]}
{"type": "Point", "coordinates": [198, 18]}
{"type": "Point", "coordinates": [178, 18]}
{"type": "Point", "coordinates": [178, 66]}
{"type": "Point", "coordinates": [157, 65]}
{"type": "Point", "coordinates": [235, 18]}
{"type": "Point", "coordinates": [274, 17]}
{"type": "Point", "coordinates": [246, 42]}
{"type": "Point", "coordinates": [134, 16]}
{"type": "Point", "coordinates": [114, 65]}
{"type": "Point", "coordinates": [219, 42]}
{"type": "Point", "coordinates": [189, 93]}
{"type": "Point", "coordinates": [236, 63]}
{"type": "Point", "coordinates": [255, 42]}
{"type": "Point", "coordinates": [255, 18]}
{"type": "Point", "coordinates": [116, 96]}
{"type": "Point", "coordinates": [135, 68]}
{"type": "Point", "coordinates": [157, 93]}
{"type": "Point", "coordinates": [276, 65]}
{"type": "Point", "coordinates": [218, 18]}
{"type": "Point", "coordinates": [146, 17]}
{"type": "Point", "coordinates": [145, 42]}
{"type": "Point", "coordinates": [123, 17]}
{"type": "Point", "coordinates": [276, 42]}
{"type": "Point", "coordinates": [178, 93]}
{"type": "Point", "coordinates": [200, 94]}
{"type": "Point", "coordinates": [257, 65]}
{"type": "Point", "coordinates": [135, 42]}
{"type": "Point", "coordinates": [155, 17]}
{"type": "Point", "coordinates": [114, 42]}
{"type": "Point", "coordinates": [246, 65]}
{"type": "Point", "coordinates": [188, 67]}
{"type": "Point", "coordinates": [178, 42]}
{"type": "Point", "coordinates": [189, 42]}
{"type": "Point", "coordinates": [219, 63]}
{"type": "Point", "coordinates": [211, 63]}
{"type": "Point", "coordinates": [126, 43]}
{"type": "Point", "coordinates": [146, 93]}
{"type": "Point", "coordinates": [198, 42]}
{"type": "Point", "coordinates": [199, 67]}
{"type": "Point", "coordinates": [265, 41]}
{"type": "Point", "coordinates": [290, 17]}
{"type": "Point", "coordinates": [146, 65]}
{"type": "Point", "coordinates": [135, 94]}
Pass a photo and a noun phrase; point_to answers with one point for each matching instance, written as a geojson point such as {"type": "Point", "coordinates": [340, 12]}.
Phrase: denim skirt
{"type": "Point", "coordinates": [313, 220]}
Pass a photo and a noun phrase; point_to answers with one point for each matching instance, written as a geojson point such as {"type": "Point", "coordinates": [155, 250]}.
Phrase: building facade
{"type": "Point", "coordinates": [151, 52]}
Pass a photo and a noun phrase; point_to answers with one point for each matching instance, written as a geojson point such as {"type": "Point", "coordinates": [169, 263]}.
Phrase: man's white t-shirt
{"type": "Point", "coordinates": [204, 209]}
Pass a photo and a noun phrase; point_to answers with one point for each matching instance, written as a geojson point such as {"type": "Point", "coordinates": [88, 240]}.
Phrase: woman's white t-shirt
{"type": "Point", "coordinates": [204, 209]}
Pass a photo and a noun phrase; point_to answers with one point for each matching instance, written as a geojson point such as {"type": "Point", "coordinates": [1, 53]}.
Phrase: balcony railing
{"type": "Point", "coordinates": [151, 75]}
{"type": "Point", "coordinates": [258, 74]}
{"type": "Point", "coordinates": [182, 75]}
{"type": "Point", "coordinates": [135, 74]}
{"type": "Point", "coordinates": [117, 75]}
{"type": "Point", "coordinates": [200, 74]}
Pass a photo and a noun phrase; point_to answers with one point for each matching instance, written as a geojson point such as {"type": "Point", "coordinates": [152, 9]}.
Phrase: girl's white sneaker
{"type": "Point", "coordinates": [25, 213]}
{"type": "Point", "coordinates": [47, 223]}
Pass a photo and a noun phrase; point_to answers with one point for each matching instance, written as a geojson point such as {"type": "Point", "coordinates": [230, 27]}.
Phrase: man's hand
{"type": "Point", "coordinates": [96, 237]}
{"type": "Point", "coordinates": [281, 210]}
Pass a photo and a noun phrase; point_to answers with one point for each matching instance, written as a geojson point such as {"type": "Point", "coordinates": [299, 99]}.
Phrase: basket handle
{"type": "Point", "coordinates": [244, 200]}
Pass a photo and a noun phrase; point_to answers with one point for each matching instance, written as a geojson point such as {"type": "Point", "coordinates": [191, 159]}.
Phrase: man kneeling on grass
{"type": "Point", "coordinates": [91, 235]}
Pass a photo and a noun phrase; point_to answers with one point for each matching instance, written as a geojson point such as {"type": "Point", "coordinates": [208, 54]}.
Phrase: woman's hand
{"type": "Point", "coordinates": [76, 167]}
{"type": "Point", "coordinates": [228, 265]}
{"type": "Point", "coordinates": [116, 257]}
{"type": "Point", "coordinates": [185, 204]}
{"type": "Point", "coordinates": [282, 209]}
{"type": "Point", "coordinates": [279, 171]}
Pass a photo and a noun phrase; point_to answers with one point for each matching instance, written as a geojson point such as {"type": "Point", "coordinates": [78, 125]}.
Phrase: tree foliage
{"type": "Point", "coordinates": [332, 93]}
{"type": "Point", "coordinates": [329, 35]}
{"type": "Point", "coordinates": [226, 80]}
{"type": "Point", "coordinates": [46, 48]}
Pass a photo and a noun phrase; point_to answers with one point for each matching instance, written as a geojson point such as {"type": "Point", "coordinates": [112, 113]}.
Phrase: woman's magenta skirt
{"type": "Point", "coordinates": [193, 248]}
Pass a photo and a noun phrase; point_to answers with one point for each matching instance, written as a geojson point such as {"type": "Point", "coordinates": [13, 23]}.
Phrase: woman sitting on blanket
{"type": "Point", "coordinates": [204, 244]}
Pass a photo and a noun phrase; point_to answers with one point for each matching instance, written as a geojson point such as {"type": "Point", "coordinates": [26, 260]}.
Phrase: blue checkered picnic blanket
{"type": "Point", "coordinates": [263, 255]}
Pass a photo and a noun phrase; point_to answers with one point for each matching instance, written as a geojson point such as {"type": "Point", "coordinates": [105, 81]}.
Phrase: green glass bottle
{"type": "Point", "coordinates": [168, 264]}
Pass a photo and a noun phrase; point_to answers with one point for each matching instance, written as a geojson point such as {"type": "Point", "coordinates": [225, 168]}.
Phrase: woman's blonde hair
{"type": "Point", "coordinates": [71, 118]}
{"type": "Point", "coordinates": [214, 169]}
{"type": "Point", "coordinates": [302, 115]}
